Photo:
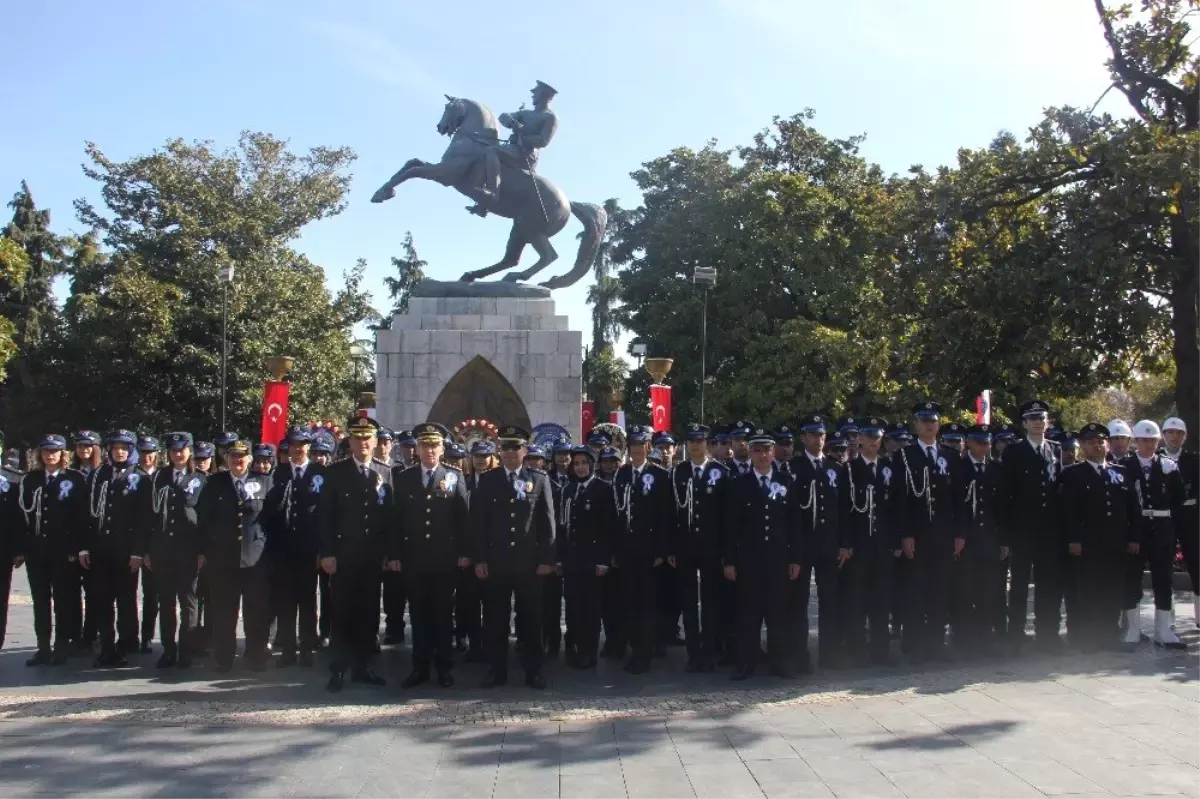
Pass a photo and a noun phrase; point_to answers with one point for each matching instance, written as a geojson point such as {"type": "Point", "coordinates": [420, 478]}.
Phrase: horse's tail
{"type": "Point", "coordinates": [595, 221]}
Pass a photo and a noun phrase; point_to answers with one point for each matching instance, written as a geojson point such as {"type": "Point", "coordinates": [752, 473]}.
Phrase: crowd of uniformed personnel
{"type": "Point", "coordinates": [926, 533]}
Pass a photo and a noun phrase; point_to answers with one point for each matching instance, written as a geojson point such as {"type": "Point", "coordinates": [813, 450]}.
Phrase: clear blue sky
{"type": "Point", "coordinates": [635, 79]}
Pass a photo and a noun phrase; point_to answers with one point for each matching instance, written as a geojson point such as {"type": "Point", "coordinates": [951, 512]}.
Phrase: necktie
{"type": "Point", "coordinates": [428, 479]}
{"type": "Point", "coordinates": [871, 470]}
{"type": "Point", "coordinates": [697, 472]}
{"type": "Point", "coordinates": [1146, 470]}
{"type": "Point", "coordinates": [366, 471]}
{"type": "Point", "coordinates": [765, 488]}
{"type": "Point", "coordinates": [932, 454]}
{"type": "Point", "coordinates": [241, 489]}
{"type": "Point", "coordinates": [299, 474]}
{"type": "Point", "coordinates": [178, 478]}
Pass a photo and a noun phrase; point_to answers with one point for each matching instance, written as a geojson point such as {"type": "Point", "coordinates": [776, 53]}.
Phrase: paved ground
{"type": "Point", "coordinates": [1118, 724]}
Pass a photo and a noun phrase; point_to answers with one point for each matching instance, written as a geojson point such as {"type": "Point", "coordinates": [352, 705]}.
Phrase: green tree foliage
{"type": "Point", "coordinates": [141, 341]}
{"type": "Point", "coordinates": [410, 270]}
{"type": "Point", "coordinates": [606, 372]}
{"type": "Point", "coordinates": [14, 267]}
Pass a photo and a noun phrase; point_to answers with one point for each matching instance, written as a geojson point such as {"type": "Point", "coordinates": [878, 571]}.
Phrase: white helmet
{"type": "Point", "coordinates": [1146, 429]}
{"type": "Point", "coordinates": [1118, 427]}
{"type": "Point", "coordinates": [1174, 423]}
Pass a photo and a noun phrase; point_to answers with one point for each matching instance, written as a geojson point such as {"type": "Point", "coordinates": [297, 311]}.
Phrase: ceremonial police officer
{"type": "Point", "coordinates": [355, 516]}
{"type": "Point", "coordinates": [1101, 519]}
{"type": "Point", "coordinates": [172, 544]}
{"type": "Point", "coordinates": [428, 544]}
{"type": "Point", "coordinates": [762, 556]}
{"type": "Point", "coordinates": [105, 485]}
{"type": "Point", "coordinates": [10, 533]}
{"type": "Point", "coordinates": [739, 450]}
{"type": "Point", "coordinates": [1175, 433]}
{"type": "Point", "coordinates": [468, 599]}
{"type": "Point", "coordinates": [148, 466]}
{"type": "Point", "coordinates": [512, 530]}
{"type": "Point", "coordinates": [981, 620]}
{"type": "Point", "coordinates": [585, 552]}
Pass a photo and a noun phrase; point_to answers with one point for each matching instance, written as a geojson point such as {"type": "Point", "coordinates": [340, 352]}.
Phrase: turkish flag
{"type": "Point", "coordinates": [983, 408]}
{"type": "Point", "coordinates": [660, 405]}
{"type": "Point", "coordinates": [617, 418]}
{"type": "Point", "coordinates": [588, 418]}
{"type": "Point", "coordinates": [275, 412]}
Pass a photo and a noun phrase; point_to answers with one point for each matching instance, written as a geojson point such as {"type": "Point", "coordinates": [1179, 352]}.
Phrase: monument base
{"type": "Point", "coordinates": [507, 359]}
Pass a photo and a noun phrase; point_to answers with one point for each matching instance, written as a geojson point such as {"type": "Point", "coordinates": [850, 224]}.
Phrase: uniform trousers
{"type": "Point", "coordinates": [1042, 562]}
{"type": "Point", "coordinates": [468, 608]}
{"type": "Point", "coordinates": [701, 584]}
{"type": "Point", "coordinates": [50, 587]}
{"type": "Point", "coordinates": [431, 610]}
{"type": "Point", "coordinates": [354, 605]}
{"type": "Point", "coordinates": [248, 589]}
{"type": "Point", "coordinates": [668, 603]}
{"type": "Point", "coordinates": [612, 603]}
{"type": "Point", "coordinates": [325, 617]}
{"type": "Point", "coordinates": [869, 601]}
{"type": "Point", "coordinates": [927, 593]}
{"type": "Point", "coordinates": [552, 611]}
{"type": "Point", "coordinates": [764, 594]}
{"type": "Point", "coordinates": [115, 585]}
{"type": "Point", "coordinates": [6, 573]}
{"type": "Point", "coordinates": [982, 614]}
{"type": "Point", "coordinates": [395, 597]}
{"type": "Point", "coordinates": [824, 567]}
{"type": "Point", "coordinates": [499, 590]}
{"type": "Point", "coordinates": [149, 604]}
{"type": "Point", "coordinates": [175, 580]}
{"type": "Point", "coordinates": [640, 594]}
{"type": "Point", "coordinates": [1158, 552]}
{"type": "Point", "coordinates": [295, 599]}
{"type": "Point", "coordinates": [583, 590]}
{"type": "Point", "coordinates": [85, 605]}
{"type": "Point", "coordinates": [1098, 577]}
{"type": "Point", "coordinates": [1189, 543]}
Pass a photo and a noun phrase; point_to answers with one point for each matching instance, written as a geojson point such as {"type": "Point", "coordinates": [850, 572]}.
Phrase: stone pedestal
{"type": "Point", "coordinates": [482, 357]}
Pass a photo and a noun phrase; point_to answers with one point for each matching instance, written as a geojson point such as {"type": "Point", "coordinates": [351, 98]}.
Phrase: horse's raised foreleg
{"type": "Point", "coordinates": [546, 256]}
{"type": "Point", "coordinates": [388, 190]}
{"type": "Point", "coordinates": [512, 256]}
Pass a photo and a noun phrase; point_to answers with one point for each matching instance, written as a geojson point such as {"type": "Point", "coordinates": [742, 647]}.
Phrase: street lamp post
{"type": "Point", "coordinates": [228, 278]}
{"type": "Point", "coordinates": [704, 276]}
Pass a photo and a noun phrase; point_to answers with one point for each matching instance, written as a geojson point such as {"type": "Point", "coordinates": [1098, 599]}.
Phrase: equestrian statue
{"type": "Point", "coordinates": [501, 178]}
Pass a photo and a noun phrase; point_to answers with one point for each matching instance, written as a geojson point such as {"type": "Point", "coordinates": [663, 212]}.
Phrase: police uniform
{"type": "Point", "coordinates": [1101, 516]}
{"type": "Point", "coordinates": [233, 519]}
{"type": "Point", "coordinates": [53, 516]}
{"type": "Point", "coordinates": [203, 449]}
{"type": "Point", "coordinates": [647, 522]}
{"type": "Point", "coordinates": [588, 526]}
{"type": "Point", "coordinates": [761, 544]}
{"type": "Point", "coordinates": [292, 543]}
{"type": "Point", "coordinates": [468, 598]}
{"type": "Point", "coordinates": [512, 534]}
{"type": "Point", "coordinates": [981, 619]}
{"type": "Point", "coordinates": [1188, 524]}
{"type": "Point", "coordinates": [429, 538]}
{"type": "Point", "coordinates": [83, 627]}
{"type": "Point", "coordinates": [322, 444]}
{"type": "Point", "coordinates": [395, 592]}
{"type": "Point", "coordinates": [867, 499]}
{"type": "Point", "coordinates": [105, 485]}
{"type": "Point", "coordinates": [612, 590]}
{"type": "Point", "coordinates": [928, 518]}
{"type": "Point", "coordinates": [1029, 484]}
{"type": "Point", "coordinates": [171, 545]}
{"type": "Point", "coordinates": [356, 514]}
{"type": "Point", "coordinates": [814, 493]}
{"type": "Point", "coordinates": [10, 531]}
{"type": "Point", "coordinates": [552, 588]}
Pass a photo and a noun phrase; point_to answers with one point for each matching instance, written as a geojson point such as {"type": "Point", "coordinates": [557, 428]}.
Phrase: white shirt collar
{"type": "Point", "coordinates": [1145, 461]}
{"type": "Point", "coordinates": [975, 462]}
{"type": "Point", "coordinates": [1173, 455]}
{"type": "Point", "coordinates": [869, 461]}
{"type": "Point", "coordinates": [759, 475]}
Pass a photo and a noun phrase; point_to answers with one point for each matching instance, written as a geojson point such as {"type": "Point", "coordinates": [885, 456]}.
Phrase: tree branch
{"type": "Point", "coordinates": [1137, 80]}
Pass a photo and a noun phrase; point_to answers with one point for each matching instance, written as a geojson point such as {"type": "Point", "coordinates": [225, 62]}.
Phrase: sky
{"type": "Point", "coordinates": [635, 79]}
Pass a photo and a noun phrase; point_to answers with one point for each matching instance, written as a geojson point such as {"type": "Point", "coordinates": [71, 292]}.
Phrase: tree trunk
{"type": "Point", "coordinates": [1185, 299]}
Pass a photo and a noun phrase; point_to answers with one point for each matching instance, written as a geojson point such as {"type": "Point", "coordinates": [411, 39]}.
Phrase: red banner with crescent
{"type": "Point", "coordinates": [660, 407]}
{"type": "Point", "coordinates": [275, 412]}
{"type": "Point", "coordinates": [587, 418]}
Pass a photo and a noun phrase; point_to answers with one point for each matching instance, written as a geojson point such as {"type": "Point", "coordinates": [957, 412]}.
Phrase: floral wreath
{"type": "Point", "coordinates": [469, 431]}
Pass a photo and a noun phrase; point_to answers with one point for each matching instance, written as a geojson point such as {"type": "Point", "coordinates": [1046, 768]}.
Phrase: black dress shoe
{"type": "Point", "coordinates": [110, 660]}
{"type": "Point", "coordinates": [40, 658]}
{"type": "Point", "coordinates": [783, 672]}
{"type": "Point", "coordinates": [306, 659]}
{"type": "Point", "coordinates": [364, 675]}
{"type": "Point", "coordinates": [612, 652]}
{"type": "Point", "coordinates": [660, 650]}
{"type": "Point", "coordinates": [223, 668]}
{"type": "Point", "coordinates": [493, 681]}
{"type": "Point", "coordinates": [167, 660]}
{"type": "Point", "coordinates": [742, 673]}
{"type": "Point", "coordinates": [59, 658]}
{"type": "Point", "coordinates": [727, 659]}
{"type": "Point", "coordinates": [392, 639]}
{"type": "Point", "coordinates": [475, 656]}
{"type": "Point", "coordinates": [83, 647]}
{"type": "Point", "coordinates": [536, 681]}
{"type": "Point", "coordinates": [691, 667]}
{"type": "Point", "coordinates": [378, 647]}
{"type": "Point", "coordinates": [460, 645]}
{"type": "Point", "coordinates": [184, 661]}
{"type": "Point", "coordinates": [637, 667]}
{"type": "Point", "coordinates": [285, 660]}
{"type": "Point", "coordinates": [146, 649]}
{"type": "Point", "coordinates": [552, 649]}
{"type": "Point", "coordinates": [883, 659]}
{"type": "Point", "coordinates": [446, 679]}
{"type": "Point", "coordinates": [804, 666]}
{"type": "Point", "coordinates": [258, 664]}
{"type": "Point", "coordinates": [322, 643]}
{"type": "Point", "coordinates": [415, 679]}
{"type": "Point", "coordinates": [337, 681]}
{"type": "Point", "coordinates": [677, 641]}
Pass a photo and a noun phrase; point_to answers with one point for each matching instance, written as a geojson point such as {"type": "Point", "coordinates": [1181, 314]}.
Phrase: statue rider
{"type": "Point", "coordinates": [532, 129]}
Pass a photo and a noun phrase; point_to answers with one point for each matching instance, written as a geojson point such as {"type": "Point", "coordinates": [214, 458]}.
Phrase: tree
{"type": "Point", "coordinates": [142, 342]}
{"type": "Point", "coordinates": [606, 373]}
{"type": "Point", "coordinates": [604, 294]}
{"type": "Point", "coordinates": [410, 270]}
{"type": "Point", "coordinates": [14, 266]}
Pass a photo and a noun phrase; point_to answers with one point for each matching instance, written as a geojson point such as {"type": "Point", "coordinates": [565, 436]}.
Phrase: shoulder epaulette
{"type": "Point", "coordinates": [452, 468]}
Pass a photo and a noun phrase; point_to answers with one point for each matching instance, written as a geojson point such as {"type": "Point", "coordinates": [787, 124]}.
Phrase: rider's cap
{"type": "Point", "coordinates": [546, 87]}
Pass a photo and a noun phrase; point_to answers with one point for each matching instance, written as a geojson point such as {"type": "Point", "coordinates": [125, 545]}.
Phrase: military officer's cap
{"type": "Point", "coordinates": [1093, 430]}
{"type": "Point", "coordinates": [560, 446]}
{"type": "Point", "coordinates": [1034, 408]}
{"type": "Point", "coordinates": [86, 437]}
{"type": "Point", "coordinates": [610, 453]}
{"type": "Point", "coordinates": [637, 434]}
{"type": "Point", "coordinates": [1174, 423]}
{"type": "Point", "coordinates": [323, 443]}
{"type": "Point", "coordinates": [239, 447]}
{"type": "Point", "coordinates": [455, 450]}
{"type": "Point", "coordinates": [512, 434]}
{"type": "Point", "coordinates": [584, 451]}
{"type": "Point", "coordinates": [405, 437]}
{"type": "Point", "coordinates": [1069, 440]}
{"type": "Point", "coordinates": [813, 423]}
{"type": "Point", "coordinates": [1146, 429]}
{"type": "Point", "coordinates": [927, 410]}
{"type": "Point", "coordinates": [1119, 428]}
{"type": "Point", "coordinates": [954, 432]}
{"type": "Point", "coordinates": [697, 431]}
{"type": "Point", "coordinates": [657, 456]}
{"type": "Point", "coordinates": [52, 442]}
{"type": "Point", "coordinates": [178, 440]}
{"type": "Point", "coordinates": [759, 436]}
{"type": "Point", "coordinates": [431, 433]}
{"type": "Point", "coordinates": [838, 441]}
{"type": "Point", "coordinates": [546, 87]}
{"type": "Point", "coordinates": [120, 437]}
{"type": "Point", "coordinates": [483, 447]}
{"type": "Point", "coordinates": [848, 426]}
{"type": "Point", "coordinates": [872, 426]}
{"type": "Point", "coordinates": [719, 433]}
{"type": "Point", "coordinates": [980, 432]}
{"type": "Point", "coordinates": [899, 432]}
{"type": "Point", "coordinates": [664, 438]}
{"type": "Point", "coordinates": [299, 435]}
{"type": "Point", "coordinates": [1003, 432]}
{"type": "Point", "coordinates": [203, 449]}
{"type": "Point", "coordinates": [385, 434]}
{"type": "Point", "coordinates": [740, 429]}
{"type": "Point", "coordinates": [264, 450]}
{"type": "Point", "coordinates": [1055, 433]}
{"type": "Point", "coordinates": [784, 433]}
{"type": "Point", "coordinates": [226, 439]}
{"type": "Point", "coordinates": [534, 451]}
{"type": "Point", "coordinates": [362, 427]}
{"type": "Point", "coordinates": [282, 447]}
{"type": "Point", "coordinates": [599, 438]}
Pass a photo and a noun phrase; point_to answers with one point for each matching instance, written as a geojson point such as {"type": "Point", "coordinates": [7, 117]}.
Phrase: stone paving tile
{"type": "Point", "coordinates": [847, 777]}
{"type": "Point", "coordinates": [668, 782]}
{"type": "Point", "coordinates": [796, 790]}
{"type": "Point", "coordinates": [592, 786]}
{"type": "Point", "coordinates": [723, 781]}
{"type": "Point", "coordinates": [1049, 776]}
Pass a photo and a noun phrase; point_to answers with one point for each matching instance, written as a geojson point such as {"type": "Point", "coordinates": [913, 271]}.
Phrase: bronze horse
{"type": "Point", "coordinates": [537, 207]}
